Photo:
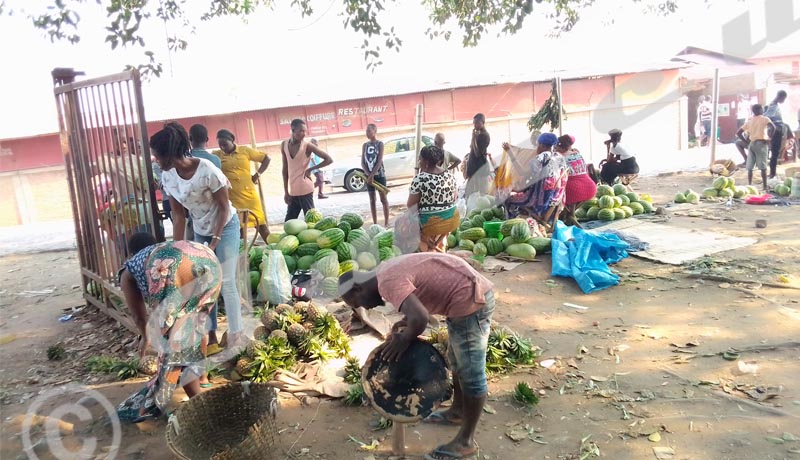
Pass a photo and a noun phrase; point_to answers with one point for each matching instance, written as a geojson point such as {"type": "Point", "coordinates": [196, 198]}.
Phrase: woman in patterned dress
{"type": "Point", "coordinates": [580, 186]}
{"type": "Point", "coordinates": [433, 192]}
{"type": "Point", "coordinates": [170, 289]}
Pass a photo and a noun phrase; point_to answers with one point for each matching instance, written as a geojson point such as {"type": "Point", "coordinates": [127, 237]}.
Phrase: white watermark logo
{"type": "Point", "coordinates": [53, 426]}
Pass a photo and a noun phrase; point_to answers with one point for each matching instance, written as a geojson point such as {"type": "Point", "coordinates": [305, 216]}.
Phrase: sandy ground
{"type": "Point", "coordinates": [644, 357]}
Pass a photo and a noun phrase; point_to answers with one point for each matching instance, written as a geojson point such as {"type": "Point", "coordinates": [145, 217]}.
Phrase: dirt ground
{"type": "Point", "coordinates": [639, 368]}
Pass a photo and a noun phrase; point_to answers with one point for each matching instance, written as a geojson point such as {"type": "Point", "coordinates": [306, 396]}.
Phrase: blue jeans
{"type": "Point", "coordinates": [469, 338]}
{"type": "Point", "coordinates": [227, 252]}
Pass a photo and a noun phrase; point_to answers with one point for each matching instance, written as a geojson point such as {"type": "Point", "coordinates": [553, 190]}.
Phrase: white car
{"type": "Point", "coordinates": [399, 161]}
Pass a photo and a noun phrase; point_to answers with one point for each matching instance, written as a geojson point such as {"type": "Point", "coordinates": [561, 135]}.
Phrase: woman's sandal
{"type": "Point", "coordinates": [438, 418]}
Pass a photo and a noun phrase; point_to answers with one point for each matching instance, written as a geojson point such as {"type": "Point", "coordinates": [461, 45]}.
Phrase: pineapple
{"type": "Point", "coordinates": [316, 348]}
{"type": "Point", "coordinates": [442, 336]}
{"type": "Point", "coordinates": [278, 334]}
{"type": "Point", "coordinates": [243, 366]}
{"type": "Point", "coordinates": [301, 308]}
{"type": "Point", "coordinates": [253, 346]}
{"type": "Point", "coordinates": [260, 332]}
{"type": "Point", "coordinates": [313, 313]}
{"type": "Point", "coordinates": [148, 365]}
{"type": "Point", "coordinates": [296, 334]}
{"type": "Point", "coordinates": [287, 319]}
{"type": "Point", "coordinates": [283, 309]}
{"type": "Point", "coordinates": [270, 320]}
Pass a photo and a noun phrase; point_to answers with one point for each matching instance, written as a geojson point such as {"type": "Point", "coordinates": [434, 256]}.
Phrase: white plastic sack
{"type": "Point", "coordinates": [275, 286]}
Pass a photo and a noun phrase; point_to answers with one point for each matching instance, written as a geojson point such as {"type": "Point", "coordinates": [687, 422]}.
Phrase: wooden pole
{"type": "Point", "coordinates": [714, 118]}
{"type": "Point", "coordinates": [560, 110]}
{"type": "Point", "coordinates": [398, 438]}
{"type": "Point", "coordinates": [418, 136]}
{"type": "Point", "coordinates": [251, 127]}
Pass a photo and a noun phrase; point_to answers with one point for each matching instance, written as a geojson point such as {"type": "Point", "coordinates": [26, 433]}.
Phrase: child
{"type": "Point", "coordinates": [372, 163]}
{"type": "Point", "coordinates": [759, 130]}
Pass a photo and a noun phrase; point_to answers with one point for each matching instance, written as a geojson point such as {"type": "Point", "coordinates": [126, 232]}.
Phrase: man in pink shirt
{"type": "Point", "coordinates": [419, 285]}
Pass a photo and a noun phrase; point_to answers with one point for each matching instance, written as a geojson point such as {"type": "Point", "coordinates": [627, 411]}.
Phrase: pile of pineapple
{"type": "Point", "coordinates": [288, 333]}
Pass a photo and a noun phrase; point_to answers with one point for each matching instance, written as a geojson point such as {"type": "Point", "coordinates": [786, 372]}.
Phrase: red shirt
{"type": "Point", "coordinates": [445, 284]}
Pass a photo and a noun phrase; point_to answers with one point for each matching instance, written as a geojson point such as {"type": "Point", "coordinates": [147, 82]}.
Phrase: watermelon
{"type": "Point", "coordinates": [273, 238]}
{"type": "Point", "coordinates": [473, 213]}
{"type": "Point", "coordinates": [487, 214]}
{"type": "Point", "coordinates": [309, 236]}
{"type": "Point", "coordinates": [589, 203]}
{"type": "Point", "coordinates": [710, 192]}
{"type": "Point", "coordinates": [326, 223]}
{"type": "Point", "coordinates": [483, 202]}
{"type": "Point", "coordinates": [294, 226]}
{"type": "Point", "coordinates": [591, 214]}
{"type": "Point", "coordinates": [604, 190]}
{"type": "Point", "coordinates": [542, 245]}
{"type": "Point", "coordinates": [619, 213]}
{"type": "Point", "coordinates": [728, 193]}
{"type": "Point", "coordinates": [288, 244]}
{"type": "Point", "coordinates": [479, 250]}
{"type": "Point", "coordinates": [347, 265]}
{"type": "Point", "coordinates": [633, 197]}
{"type": "Point", "coordinates": [788, 182]}
{"type": "Point", "coordinates": [720, 183]}
{"type": "Point", "coordinates": [505, 229]}
{"type": "Point", "coordinates": [330, 238]}
{"type": "Point", "coordinates": [345, 227]}
{"type": "Point", "coordinates": [680, 198]}
{"type": "Point", "coordinates": [353, 219]}
{"type": "Point", "coordinates": [637, 208]}
{"type": "Point", "coordinates": [522, 251]}
{"type": "Point", "coordinates": [740, 191]}
{"type": "Point", "coordinates": [521, 232]}
{"type": "Point", "coordinates": [498, 212]}
{"type": "Point", "coordinates": [465, 224]}
{"type": "Point", "coordinates": [478, 221]}
{"type": "Point", "coordinates": [646, 197]}
{"type": "Point", "coordinates": [255, 278]}
{"type": "Point", "coordinates": [625, 200]}
{"type": "Point", "coordinates": [731, 182]}
{"type": "Point", "coordinates": [619, 189]}
{"type": "Point", "coordinates": [692, 197]}
{"type": "Point", "coordinates": [374, 229]}
{"type": "Point", "coordinates": [466, 245]}
{"type": "Point", "coordinates": [606, 214]}
{"type": "Point", "coordinates": [291, 263]}
{"type": "Point", "coordinates": [452, 240]}
{"type": "Point", "coordinates": [346, 251]}
{"type": "Point", "coordinates": [397, 251]}
{"type": "Point", "coordinates": [330, 286]}
{"type": "Point", "coordinates": [322, 253]}
{"type": "Point", "coordinates": [626, 210]}
{"type": "Point", "coordinates": [494, 246]}
{"type": "Point", "coordinates": [506, 242]}
{"type": "Point", "coordinates": [366, 261]}
{"type": "Point", "coordinates": [385, 239]}
{"type": "Point", "coordinates": [385, 254]}
{"type": "Point", "coordinates": [752, 190]}
{"type": "Point", "coordinates": [647, 206]}
{"type": "Point", "coordinates": [305, 262]}
{"type": "Point", "coordinates": [306, 249]}
{"type": "Point", "coordinates": [617, 201]}
{"type": "Point", "coordinates": [782, 190]}
{"type": "Point", "coordinates": [328, 265]}
{"type": "Point", "coordinates": [313, 216]}
{"type": "Point", "coordinates": [474, 234]}
{"type": "Point", "coordinates": [580, 213]}
{"type": "Point", "coordinates": [606, 202]}
{"type": "Point", "coordinates": [359, 238]}
{"type": "Point", "coordinates": [255, 254]}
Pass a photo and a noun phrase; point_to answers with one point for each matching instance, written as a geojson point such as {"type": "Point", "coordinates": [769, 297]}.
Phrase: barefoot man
{"type": "Point", "coordinates": [424, 284]}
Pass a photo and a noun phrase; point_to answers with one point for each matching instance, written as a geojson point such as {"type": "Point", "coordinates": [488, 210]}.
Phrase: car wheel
{"type": "Point", "coordinates": [354, 182]}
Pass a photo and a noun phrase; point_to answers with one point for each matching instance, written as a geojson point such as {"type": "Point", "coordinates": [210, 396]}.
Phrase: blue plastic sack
{"type": "Point", "coordinates": [585, 256]}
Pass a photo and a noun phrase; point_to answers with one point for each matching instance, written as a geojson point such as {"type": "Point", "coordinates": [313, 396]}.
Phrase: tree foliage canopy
{"type": "Point", "coordinates": [473, 19]}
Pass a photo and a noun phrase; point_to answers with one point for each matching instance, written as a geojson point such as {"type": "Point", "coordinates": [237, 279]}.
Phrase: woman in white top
{"type": "Point", "coordinates": [197, 186]}
{"type": "Point", "coordinates": [618, 160]}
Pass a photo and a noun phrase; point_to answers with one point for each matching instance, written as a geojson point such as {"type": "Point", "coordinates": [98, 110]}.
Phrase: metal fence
{"type": "Point", "coordinates": [111, 183]}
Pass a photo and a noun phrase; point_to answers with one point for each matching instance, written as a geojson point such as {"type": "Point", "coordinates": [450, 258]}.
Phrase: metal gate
{"type": "Point", "coordinates": [111, 182]}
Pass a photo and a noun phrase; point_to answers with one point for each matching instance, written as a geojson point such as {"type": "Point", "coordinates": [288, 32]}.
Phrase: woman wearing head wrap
{"type": "Point", "coordinates": [544, 178]}
{"type": "Point", "coordinates": [580, 187]}
{"type": "Point", "coordinates": [170, 289]}
{"type": "Point", "coordinates": [433, 191]}
{"type": "Point", "coordinates": [618, 160]}
{"type": "Point", "coordinates": [236, 166]}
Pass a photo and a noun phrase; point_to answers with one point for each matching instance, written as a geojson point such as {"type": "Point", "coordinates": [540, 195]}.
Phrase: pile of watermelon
{"type": "Point", "coordinates": [329, 245]}
{"type": "Point", "coordinates": [516, 238]}
{"type": "Point", "coordinates": [614, 203]}
{"type": "Point", "coordinates": [784, 189]}
{"type": "Point", "coordinates": [722, 187]}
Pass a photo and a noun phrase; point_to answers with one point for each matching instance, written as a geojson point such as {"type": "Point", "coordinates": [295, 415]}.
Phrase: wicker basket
{"type": "Point", "coordinates": [232, 422]}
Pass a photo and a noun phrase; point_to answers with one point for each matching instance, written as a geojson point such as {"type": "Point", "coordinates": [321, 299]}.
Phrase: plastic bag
{"type": "Point", "coordinates": [585, 256]}
{"type": "Point", "coordinates": [275, 286]}
{"type": "Point", "coordinates": [407, 231]}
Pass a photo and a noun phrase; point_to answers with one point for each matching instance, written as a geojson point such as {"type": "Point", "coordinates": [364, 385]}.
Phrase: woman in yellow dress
{"type": "Point", "coordinates": [236, 167]}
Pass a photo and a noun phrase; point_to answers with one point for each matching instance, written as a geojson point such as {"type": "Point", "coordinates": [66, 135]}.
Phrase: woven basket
{"type": "Point", "coordinates": [232, 422]}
